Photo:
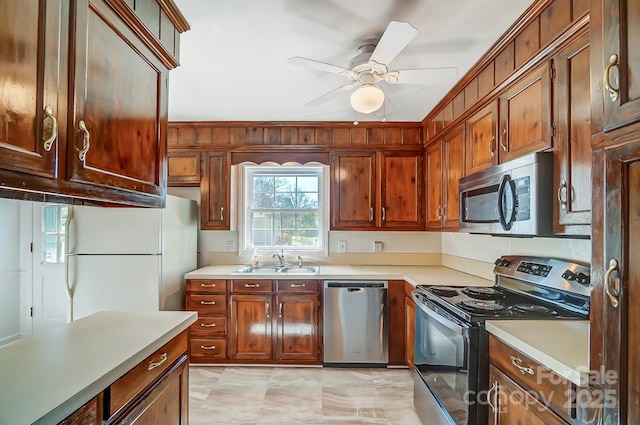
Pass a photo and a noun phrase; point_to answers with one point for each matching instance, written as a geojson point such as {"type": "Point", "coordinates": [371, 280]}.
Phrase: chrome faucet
{"type": "Point", "coordinates": [280, 257]}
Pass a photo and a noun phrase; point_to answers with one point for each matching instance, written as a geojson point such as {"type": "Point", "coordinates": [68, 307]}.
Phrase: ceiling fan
{"type": "Point", "coordinates": [370, 66]}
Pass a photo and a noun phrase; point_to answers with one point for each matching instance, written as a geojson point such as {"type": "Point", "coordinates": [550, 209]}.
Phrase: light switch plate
{"type": "Point", "coordinates": [342, 246]}
{"type": "Point", "coordinates": [231, 246]}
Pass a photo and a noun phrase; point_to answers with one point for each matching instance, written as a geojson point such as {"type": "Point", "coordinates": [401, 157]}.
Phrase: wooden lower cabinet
{"type": "Point", "coordinates": [410, 325]}
{"type": "Point", "coordinates": [89, 414]}
{"type": "Point", "coordinates": [397, 334]}
{"type": "Point", "coordinates": [251, 327]}
{"type": "Point", "coordinates": [297, 335]}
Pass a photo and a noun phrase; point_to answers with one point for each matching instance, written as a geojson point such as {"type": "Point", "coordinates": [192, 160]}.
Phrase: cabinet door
{"type": "Point", "coordinates": [572, 171]}
{"type": "Point", "coordinates": [214, 192]}
{"type": "Point", "coordinates": [184, 168]}
{"type": "Point", "coordinates": [118, 134]}
{"type": "Point", "coordinates": [31, 80]}
{"type": "Point", "coordinates": [401, 190]}
{"type": "Point", "coordinates": [251, 327]}
{"type": "Point", "coordinates": [621, 32]}
{"type": "Point", "coordinates": [353, 190]}
{"type": "Point", "coordinates": [297, 332]}
{"type": "Point", "coordinates": [165, 403]}
{"type": "Point", "coordinates": [511, 404]}
{"type": "Point", "coordinates": [525, 115]}
{"type": "Point", "coordinates": [481, 140]}
{"type": "Point", "coordinates": [410, 330]}
{"type": "Point", "coordinates": [87, 414]}
{"type": "Point", "coordinates": [433, 159]}
{"type": "Point", "coordinates": [452, 171]}
{"type": "Point", "coordinates": [615, 296]}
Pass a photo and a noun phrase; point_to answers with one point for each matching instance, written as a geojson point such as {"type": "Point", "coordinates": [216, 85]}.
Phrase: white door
{"type": "Point", "coordinates": [50, 302]}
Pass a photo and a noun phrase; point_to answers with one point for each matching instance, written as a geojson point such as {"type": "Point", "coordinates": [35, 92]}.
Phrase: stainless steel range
{"type": "Point", "coordinates": [451, 345]}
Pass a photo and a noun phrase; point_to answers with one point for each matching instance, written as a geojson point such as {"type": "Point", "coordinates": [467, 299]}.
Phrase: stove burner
{"type": "Point", "coordinates": [481, 306]}
{"type": "Point", "coordinates": [483, 293]}
{"type": "Point", "coordinates": [443, 291]}
{"type": "Point", "coordinates": [533, 308]}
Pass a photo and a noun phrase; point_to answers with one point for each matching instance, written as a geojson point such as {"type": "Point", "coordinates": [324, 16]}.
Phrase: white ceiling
{"type": "Point", "coordinates": [234, 59]}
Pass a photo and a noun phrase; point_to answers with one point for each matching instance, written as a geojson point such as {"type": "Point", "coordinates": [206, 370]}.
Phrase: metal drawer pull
{"type": "Point", "coordinates": [82, 153]}
{"type": "Point", "coordinates": [222, 213]}
{"type": "Point", "coordinates": [523, 369]}
{"type": "Point", "coordinates": [280, 310]}
{"type": "Point", "coordinates": [563, 202]}
{"type": "Point", "coordinates": [266, 309]}
{"type": "Point", "coordinates": [384, 214]}
{"type": "Point", "coordinates": [208, 302]}
{"type": "Point", "coordinates": [208, 285]}
{"type": "Point", "coordinates": [208, 347]}
{"type": "Point", "coordinates": [251, 285]}
{"type": "Point", "coordinates": [48, 113]}
{"type": "Point", "coordinates": [370, 214]}
{"type": "Point", "coordinates": [298, 285]}
{"type": "Point", "coordinates": [153, 364]}
{"type": "Point", "coordinates": [208, 325]}
{"type": "Point", "coordinates": [613, 293]}
{"type": "Point", "coordinates": [613, 93]}
{"type": "Point", "coordinates": [494, 387]}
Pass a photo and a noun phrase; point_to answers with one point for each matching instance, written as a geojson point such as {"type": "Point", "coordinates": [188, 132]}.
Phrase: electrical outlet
{"type": "Point", "coordinates": [231, 246]}
{"type": "Point", "coordinates": [377, 246]}
{"type": "Point", "coordinates": [342, 246]}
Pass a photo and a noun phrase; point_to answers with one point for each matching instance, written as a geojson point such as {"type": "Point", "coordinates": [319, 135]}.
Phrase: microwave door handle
{"type": "Point", "coordinates": [460, 330]}
{"type": "Point", "coordinates": [514, 199]}
{"type": "Point", "coordinates": [503, 221]}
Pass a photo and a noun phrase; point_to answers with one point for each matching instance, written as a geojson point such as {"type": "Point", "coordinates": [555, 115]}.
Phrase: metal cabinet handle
{"type": "Point", "coordinates": [222, 213]}
{"type": "Point", "coordinates": [208, 285]}
{"type": "Point", "coordinates": [208, 347]}
{"type": "Point", "coordinates": [266, 309]}
{"type": "Point", "coordinates": [439, 212]}
{"type": "Point", "coordinates": [503, 140]}
{"type": "Point", "coordinates": [445, 210]}
{"type": "Point", "coordinates": [492, 148]}
{"type": "Point", "coordinates": [208, 302]}
{"type": "Point", "coordinates": [154, 364]}
{"type": "Point", "coordinates": [370, 214]}
{"type": "Point", "coordinates": [82, 153]}
{"type": "Point", "coordinates": [208, 325]}
{"type": "Point", "coordinates": [613, 293]}
{"type": "Point", "coordinates": [563, 202]}
{"type": "Point", "coordinates": [494, 387]}
{"type": "Point", "coordinates": [251, 285]}
{"type": "Point", "coordinates": [298, 285]}
{"type": "Point", "coordinates": [48, 113]}
{"type": "Point", "coordinates": [280, 310]}
{"type": "Point", "coordinates": [613, 93]}
{"type": "Point", "coordinates": [384, 213]}
{"type": "Point", "coordinates": [523, 369]}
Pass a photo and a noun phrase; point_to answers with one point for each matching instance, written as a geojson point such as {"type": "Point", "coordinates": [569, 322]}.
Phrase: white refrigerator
{"type": "Point", "coordinates": [129, 259]}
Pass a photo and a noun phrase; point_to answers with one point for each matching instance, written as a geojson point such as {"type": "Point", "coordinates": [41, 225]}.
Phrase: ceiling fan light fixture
{"type": "Point", "coordinates": [367, 98]}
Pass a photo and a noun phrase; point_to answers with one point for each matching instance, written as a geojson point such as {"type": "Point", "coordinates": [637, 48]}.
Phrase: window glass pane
{"type": "Point", "coordinates": [263, 184]}
{"type": "Point", "coordinates": [310, 220]}
{"type": "Point", "coordinates": [285, 184]}
{"type": "Point", "coordinates": [308, 200]}
{"type": "Point", "coordinates": [50, 247]}
{"type": "Point", "coordinates": [263, 200]}
{"type": "Point", "coordinates": [61, 249]}
{"type": "Point", "coordinates": [308, 184]}
{"type": "Point", "coordinates": [50, 219]}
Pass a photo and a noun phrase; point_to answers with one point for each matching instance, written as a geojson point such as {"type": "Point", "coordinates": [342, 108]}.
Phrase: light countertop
{"type": "Point", "coordinates": [45, 378]}
{"type": "Point", "coordinates": [424, 275]}
{"type": "Point", "coordinates": [560, 345]}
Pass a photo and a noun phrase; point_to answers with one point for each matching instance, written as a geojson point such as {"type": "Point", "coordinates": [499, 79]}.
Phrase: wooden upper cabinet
{"type": "Point", "coordinates": [184, 167]}
{"type": "Point", "coordinates": [618, 23]}
{"type": "Point", "coordinates": [482, 139]}
{"type": "Point", "coordinates": [251, 323]}
{"type": "Point", "coordinates": [32, 83]}
{"type": "Point", "coordinates": [401, 191]}
{"type": "Point", "coordinates": [380, 190]}
{"type": "Point", "coordinates": [445, 166]}
{"type": "Point", "coordinates": [353, 190]}
{"type": "Point", "coordinates": [572, 168]}
{"type": "Point", "coordinates": [525, 115]}
{"type": "Point", "coordinates": [215, 192]}
{"type": "Point", "coordinates": [118, 132]}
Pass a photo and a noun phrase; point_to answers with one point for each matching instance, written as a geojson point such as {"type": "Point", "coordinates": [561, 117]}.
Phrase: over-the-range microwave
{"type": "Point", "coordinates": [513, 198]}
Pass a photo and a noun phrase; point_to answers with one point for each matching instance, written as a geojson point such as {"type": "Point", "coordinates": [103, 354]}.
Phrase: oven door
{"type": "Point", "coordinates": [446, 361]}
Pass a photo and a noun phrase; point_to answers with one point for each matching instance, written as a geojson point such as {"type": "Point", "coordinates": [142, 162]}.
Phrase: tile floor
{"type": "Point", "coordinates": [277, 395]}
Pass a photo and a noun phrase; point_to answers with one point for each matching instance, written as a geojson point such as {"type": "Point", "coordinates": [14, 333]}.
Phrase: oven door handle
{"type": "Point", "coordinates": [459, 329]}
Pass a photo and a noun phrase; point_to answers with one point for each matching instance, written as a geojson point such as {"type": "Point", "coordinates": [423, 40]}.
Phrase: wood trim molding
{"type": "Point", "coordinates": [341, 124]}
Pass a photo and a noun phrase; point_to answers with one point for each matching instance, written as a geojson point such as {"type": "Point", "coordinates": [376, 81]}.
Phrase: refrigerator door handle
{"type": "Point", "coordinates": [67, 258]}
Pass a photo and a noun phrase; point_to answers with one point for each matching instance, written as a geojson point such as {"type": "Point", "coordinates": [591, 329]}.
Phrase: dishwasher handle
{"type": "Point", "coordinates": [354, 289]}
{"type": "Point", "coordinates": [358, 284]}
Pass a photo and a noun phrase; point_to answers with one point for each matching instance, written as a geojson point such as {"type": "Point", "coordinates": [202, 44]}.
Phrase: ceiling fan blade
{"type": "Point", "coordinates": [322, 66]}
{"type": "Point", "coordinates": [423, 76]}
{"type": "Point", "coordinates": [328, 96]}
{"type": "Point", "coordinates": [395, 38]}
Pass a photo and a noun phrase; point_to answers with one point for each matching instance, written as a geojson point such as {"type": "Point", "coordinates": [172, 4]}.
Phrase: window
{"type": "Point", "coordinates": [284, 207]}
{"type": "Point", "coordinates": [54, 219]}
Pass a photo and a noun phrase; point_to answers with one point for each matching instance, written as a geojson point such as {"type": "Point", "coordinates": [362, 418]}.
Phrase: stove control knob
{"type": "Point", "coordinates": [503, 263]}
{"type": "Point", "coordinates": [498, 262]}
{"type": "Point", "coordinates": [569, 275]}
{"type": "Point", "coordinates": [583, 279]}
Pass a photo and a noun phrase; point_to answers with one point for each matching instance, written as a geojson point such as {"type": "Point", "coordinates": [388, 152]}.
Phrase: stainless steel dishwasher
{"type": "Point", "coordinates": [355, 323]}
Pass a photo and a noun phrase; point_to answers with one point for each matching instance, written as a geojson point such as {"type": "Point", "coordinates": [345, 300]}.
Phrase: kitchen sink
{"type": "Point", "coordinates": [278, 270]}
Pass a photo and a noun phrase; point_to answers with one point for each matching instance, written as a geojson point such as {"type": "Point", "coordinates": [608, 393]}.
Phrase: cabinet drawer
{"type": "Point", "coordinates": [297, 285]}
{"type": "Point", "coordinates": [209, 326]}
{"type": "Point", "coordinates": [207, 304]}
{"type": "Point", "coordinates": [550, 387]}
{"type": "Point", "coordinates": [207, 285]}
{"type": "Point", "coordinates": [252, 286]}
{"type": "Point", "coordinates": [140, 377]}
{"type": "Point", "coordinates": [208, 349]}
